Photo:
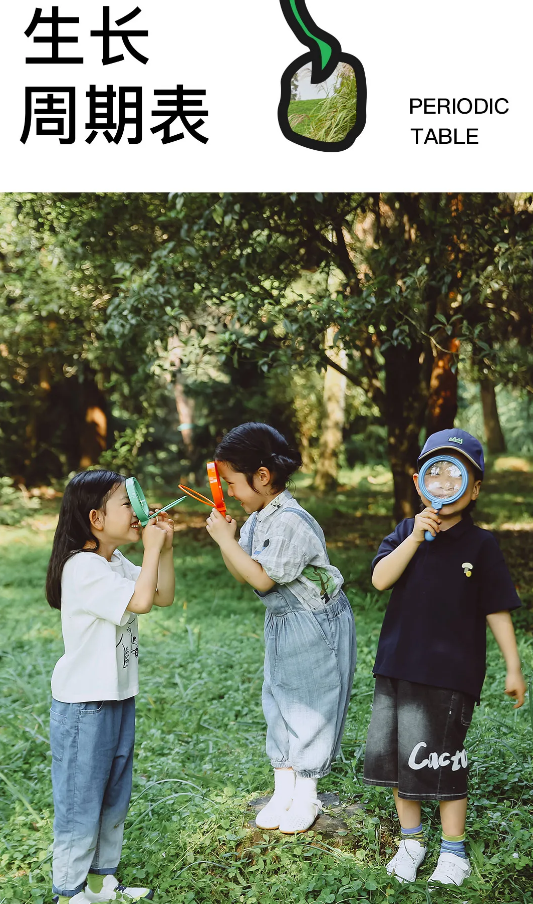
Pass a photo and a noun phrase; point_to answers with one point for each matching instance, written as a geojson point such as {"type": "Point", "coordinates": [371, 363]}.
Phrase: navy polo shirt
{"type": "Point", "coordinates": [434, 630]}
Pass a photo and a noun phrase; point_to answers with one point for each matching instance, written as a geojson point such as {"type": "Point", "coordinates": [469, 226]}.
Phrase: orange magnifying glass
{"type": "Point", "coordinates": [215, 487]}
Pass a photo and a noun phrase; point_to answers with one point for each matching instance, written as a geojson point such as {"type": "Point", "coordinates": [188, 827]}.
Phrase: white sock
{"type": "Point", "coordinates": [305, 789]}
{"type": "Point", "coordinates": [284, 784]}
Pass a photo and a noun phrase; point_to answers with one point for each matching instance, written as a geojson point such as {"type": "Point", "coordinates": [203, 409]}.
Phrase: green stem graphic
{"type": "Point", "coordinates": [325, 48]}
{"type": "Point", "coordinates": [340, 117]}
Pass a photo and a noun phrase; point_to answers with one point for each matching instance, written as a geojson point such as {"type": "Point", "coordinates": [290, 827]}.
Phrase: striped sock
{"type": "Point", "coordinates": [453, 844]}
{"type": "Point", "coordinates": [416, 834]}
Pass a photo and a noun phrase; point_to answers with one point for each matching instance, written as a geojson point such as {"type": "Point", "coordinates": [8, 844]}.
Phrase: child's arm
{"type": "Point", "coordinates": [143, 598]}
{"type": "Point", "coordinates": [501, 625]}
{"type": "Point", "coordinates": [232, 570]}
{"type": "Point", "coordinates": [392, 566]}
{"type": "Point", "coordinates": [237, 560]}
{"type": "Point", "coordinates": [166, 577]}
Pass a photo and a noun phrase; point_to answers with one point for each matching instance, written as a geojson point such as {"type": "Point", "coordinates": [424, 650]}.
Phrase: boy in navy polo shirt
{"type": "Point", "coordinates": [430, 663]}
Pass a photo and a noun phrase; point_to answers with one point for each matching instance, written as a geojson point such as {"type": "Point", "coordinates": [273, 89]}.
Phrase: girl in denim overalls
{"type": "Point", "coordinates": [309, 629]}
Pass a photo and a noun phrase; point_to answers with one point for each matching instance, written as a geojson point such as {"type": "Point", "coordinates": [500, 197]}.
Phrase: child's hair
{"type": "Point", "coordinates": [252, 446]}
{"type": "Point", "coordinates": [86, 491]}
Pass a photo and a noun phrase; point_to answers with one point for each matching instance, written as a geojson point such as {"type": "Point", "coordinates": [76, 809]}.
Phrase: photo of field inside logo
{"type": "Point", "coordinates": [323, 92]}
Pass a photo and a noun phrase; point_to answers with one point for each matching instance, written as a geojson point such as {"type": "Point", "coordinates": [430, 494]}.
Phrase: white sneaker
{"type": "Point", "coordinates": [406, 860]}
{"type": "Point", "coordinates": [271, 815]}
{"type": "Point", "coordinates": [75, 899]}
{"type": "Point", "coordinates": [300, 817]}
{"type": "Point", "coordinates": [112, 890]}
{"type": "Point", "coordinates": [451, 870]}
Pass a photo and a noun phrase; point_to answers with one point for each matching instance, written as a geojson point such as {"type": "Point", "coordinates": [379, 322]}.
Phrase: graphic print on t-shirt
{"type": "Point", "coordinates": [127, 644]}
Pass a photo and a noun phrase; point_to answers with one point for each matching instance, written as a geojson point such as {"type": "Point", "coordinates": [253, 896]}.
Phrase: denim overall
{"type": "Point", "coordinates": [310, 654]}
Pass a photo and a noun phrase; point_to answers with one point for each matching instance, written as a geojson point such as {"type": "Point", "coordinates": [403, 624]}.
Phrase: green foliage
{"type": "Point", "coordinates": [109, 298]}
{"type": "Point", "coordinates": [60, 256]}
{"type": "Point", "coordinates": [200, 732]}
{"type": "Point", "coordinates": [15, 503]}
{"type": "Point", "coordinates": [123, 456]}
{"type": "Point", "coordinates": [515, 409]}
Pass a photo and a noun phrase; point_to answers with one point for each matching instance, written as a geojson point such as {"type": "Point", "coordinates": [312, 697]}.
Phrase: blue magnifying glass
{"type": "Point", "coordinates": [442, 481]}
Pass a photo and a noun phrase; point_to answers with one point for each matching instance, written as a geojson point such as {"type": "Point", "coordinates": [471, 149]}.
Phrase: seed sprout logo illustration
{"type": "Point", "coordinates": [323, 92]}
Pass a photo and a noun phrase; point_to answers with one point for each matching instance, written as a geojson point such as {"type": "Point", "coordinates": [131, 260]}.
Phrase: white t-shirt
{"type": "Point", "coordinates": [100, 636]}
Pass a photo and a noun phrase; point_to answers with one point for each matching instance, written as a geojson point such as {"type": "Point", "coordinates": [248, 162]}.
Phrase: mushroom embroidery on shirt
{"type": "Point", "coordinates": [467, 568]}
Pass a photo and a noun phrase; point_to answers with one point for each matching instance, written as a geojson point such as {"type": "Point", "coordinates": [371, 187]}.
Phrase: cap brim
{"type": "Point", "coordinates": [421, 458]}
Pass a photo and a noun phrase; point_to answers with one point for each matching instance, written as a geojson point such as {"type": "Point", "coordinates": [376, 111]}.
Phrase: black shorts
{"type": "Point", "coordinates": [416, 740]}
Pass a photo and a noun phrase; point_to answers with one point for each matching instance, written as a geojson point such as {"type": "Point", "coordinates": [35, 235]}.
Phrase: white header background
{"type": "Point", "coordinates": [237, 50]}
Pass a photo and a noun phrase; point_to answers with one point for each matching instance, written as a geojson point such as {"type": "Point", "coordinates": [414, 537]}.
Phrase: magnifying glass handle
{"type": "Point", "coordinates": [427, 534]}
{"type": "Point", "coordinates": [169, 506]}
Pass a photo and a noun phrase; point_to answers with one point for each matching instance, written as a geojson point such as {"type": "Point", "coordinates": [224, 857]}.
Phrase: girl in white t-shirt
{"type": "Point", "coordinates": [92, 719]}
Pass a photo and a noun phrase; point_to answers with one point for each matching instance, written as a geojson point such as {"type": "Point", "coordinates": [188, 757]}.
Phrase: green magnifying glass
{"type": "Point", "coordinates": [140, 505]}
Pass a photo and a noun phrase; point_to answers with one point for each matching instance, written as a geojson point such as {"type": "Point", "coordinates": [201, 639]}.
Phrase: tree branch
{"type": "Point", "coordinates": [328, 362]}
{"type": "Point", "coordinates": [376, 393]}
{"type": "Point", "coordinates": [433, 341]}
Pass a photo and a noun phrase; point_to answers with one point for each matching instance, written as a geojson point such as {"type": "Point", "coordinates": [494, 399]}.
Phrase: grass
{"type": "Point", "coordinates": [336, 115]}
{"type": "Point", "coordinates": [330, 118]}
{"type": "Point", "coordinates": [304, 109]}
{"type": "Point", "coordinates": [200, 730]}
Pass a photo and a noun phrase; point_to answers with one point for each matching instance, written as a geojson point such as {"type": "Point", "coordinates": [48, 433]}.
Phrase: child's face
{"type": "Point", "coordinates": [472, 489]}
{"type": "Point", "coordinates": [251, 499]}
{"type": "Point", "coordinates": [118, 523]}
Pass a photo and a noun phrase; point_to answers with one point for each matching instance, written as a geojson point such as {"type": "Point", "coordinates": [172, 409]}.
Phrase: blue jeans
{"type": "Point", "coordinates": [92, 759]}
{"type": "Point", "coordinates": [310, 659]}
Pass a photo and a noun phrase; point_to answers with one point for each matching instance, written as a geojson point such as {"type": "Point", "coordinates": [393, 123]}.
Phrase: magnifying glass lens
{"type": "Point", "coordinates": [442, 480]}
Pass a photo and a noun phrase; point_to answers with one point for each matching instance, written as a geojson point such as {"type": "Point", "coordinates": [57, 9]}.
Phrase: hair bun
{"type": "Point", "coordinates": [255, 445]}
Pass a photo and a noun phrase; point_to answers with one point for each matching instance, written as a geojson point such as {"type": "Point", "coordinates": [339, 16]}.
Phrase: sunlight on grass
{"type": "Point", "coordinates": [512, 463]}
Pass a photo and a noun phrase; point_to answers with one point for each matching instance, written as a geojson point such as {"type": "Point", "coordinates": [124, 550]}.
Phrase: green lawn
{"type": "Point", "coordinates": [303, 108]}
{"type": "Point", "coordinates": [200, 741]}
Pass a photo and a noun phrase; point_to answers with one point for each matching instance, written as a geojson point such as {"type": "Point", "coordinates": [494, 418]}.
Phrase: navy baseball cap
{"type": "Point", "coordinates": [458, 441]}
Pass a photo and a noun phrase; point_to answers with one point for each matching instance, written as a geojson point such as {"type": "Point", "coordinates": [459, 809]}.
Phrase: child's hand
{"type": "Point", "coordinates": [516, 687]}
{"type": "Point", "coordinates": [165, 523]}
{"type": "Point", "coordinates": [220, 528]}
{"type": "Point", "coordinates": [426, 520]}
{"type": "Point", "coordinates": [153, 537]}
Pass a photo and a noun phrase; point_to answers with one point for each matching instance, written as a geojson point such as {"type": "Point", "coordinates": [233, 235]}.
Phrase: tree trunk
{"type": "Point", "coordinates": [305, 449]}
{"type": "Point", "coordinates": [442, 400]}
{"type": "Point", "coordinates": [69, 429]}
{"type": "Point", "coordinates": [333, 419]}
{"type": "Point", "coordinates": [404, 411]}
{"type": "Point", "coordinates": [184, 405]}
{"type": "Point", "coordinates": [493, 431]}
{"type": "Point", "coordinates": [93, 430]}
{"type": "Point", "coordinates": [185, 409]}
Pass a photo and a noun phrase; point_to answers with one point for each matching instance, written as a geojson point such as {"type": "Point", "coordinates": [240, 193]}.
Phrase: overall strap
{"type": "Point", "coordinates": [310, 521]}
{"type": "Point", "coordinates": [253, 520]}
{"type": "Point", "coordinates": [282, 589]}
